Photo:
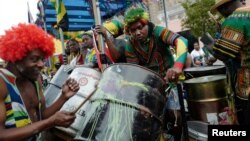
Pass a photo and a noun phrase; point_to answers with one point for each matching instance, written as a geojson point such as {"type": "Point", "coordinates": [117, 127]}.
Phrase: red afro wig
{"type": "Point", "coordinates": [20, 40]}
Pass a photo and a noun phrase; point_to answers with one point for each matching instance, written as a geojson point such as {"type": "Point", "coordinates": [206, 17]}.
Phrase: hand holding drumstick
{"type": "Point", "coordinates": [85, 100]}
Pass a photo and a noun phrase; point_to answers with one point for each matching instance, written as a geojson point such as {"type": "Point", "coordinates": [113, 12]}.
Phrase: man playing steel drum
{"type": "Point", "coordinates": [22, 104]}
{"type": "Point", "coordinates": [148, 45]}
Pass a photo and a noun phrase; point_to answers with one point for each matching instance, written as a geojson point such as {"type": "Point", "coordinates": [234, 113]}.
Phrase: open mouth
{"type": "Point", "coordinates": [140, 38]}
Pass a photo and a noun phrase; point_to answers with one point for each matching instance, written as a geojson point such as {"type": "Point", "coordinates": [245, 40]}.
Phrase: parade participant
{"type": "Point", "coordinates": [232, 47]}
{"type": "Point", "coordinates": [148, 45]}
{"type": "Point", "coordinates": [201, 57]}
{"type": "Point", "coordinates": [112, 42]}
{"type": "Point", "coordinates": [198, 56]}
{"type": "Point", "coordinates": [22, 104]}
{"type": "Point", "coordinates": [88, 43]}
{"type": "Point", "coordinates": [88, 47]}
{"type": "Point", "coordinates": [76, 55]}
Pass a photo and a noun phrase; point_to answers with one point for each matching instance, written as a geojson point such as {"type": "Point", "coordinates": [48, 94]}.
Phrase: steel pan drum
{"type": "Point", "coordinates": [53, 89]}
{"type": "Point", "coordinates": [87, 79]}
{"type": "Point", "coordinates": [209, 100]}
{"type": "Point", "coordinates": [197, 131]}
{"type": "Point", "coordinates": [127, 106]}
{"type": "Point", "coordinates": [204, 71]}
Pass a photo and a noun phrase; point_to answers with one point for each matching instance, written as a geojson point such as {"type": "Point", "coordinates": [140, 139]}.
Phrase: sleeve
{"type": "Point", "coordinates": [181, 45]}
{"type": "Point", "coordinates": [173, 39]}
{"type": "Point", "coordinates": [234, 37]}
{"type": "Point", "coordinates": [247, 31]}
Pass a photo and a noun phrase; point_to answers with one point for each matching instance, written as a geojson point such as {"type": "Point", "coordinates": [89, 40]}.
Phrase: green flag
{"type": "Point", "coordinates": [61, 14]}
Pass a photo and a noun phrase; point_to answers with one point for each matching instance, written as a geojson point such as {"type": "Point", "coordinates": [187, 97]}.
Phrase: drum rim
{"type": "Point", "coordinates": [195, 80]}
{"type": "Point", "coordinates": [82, 66]}
{"type": "Point", "coordinates": [197, 133]}
{"type": "Point", "coordinates": [131, 64]}
{"type": "Point", "coordinates": [194, 69]}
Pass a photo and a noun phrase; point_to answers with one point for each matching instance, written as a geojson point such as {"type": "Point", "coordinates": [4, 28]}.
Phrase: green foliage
{"type": "Point", "coordinates": [197, 18]}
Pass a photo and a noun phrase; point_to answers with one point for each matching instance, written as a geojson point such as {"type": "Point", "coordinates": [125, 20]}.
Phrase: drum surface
{"type": "Point", "coordinates": [209, 100]}
{"type": "Point", "coordinates": [206, 87]}
{"type": "Point", "coordinates": [204, 71]}
{"type": "Point", "coordinates": [53, 89]}
{"type": "Point", "coordinates": [127, 106]}
{"type": "Point", "coordinates": [87, 79]}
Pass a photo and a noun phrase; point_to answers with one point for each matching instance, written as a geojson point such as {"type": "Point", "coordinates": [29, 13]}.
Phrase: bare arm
{"type": "Point", "coordinates": [115, 54]}
{"type": "Point", "coordinates": [16, 133]}
{"type": "Point", "coordinates": [13, 134]}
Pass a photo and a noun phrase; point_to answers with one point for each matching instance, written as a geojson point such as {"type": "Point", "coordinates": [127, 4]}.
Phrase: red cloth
{"type": "Point", "coordinates": [60, 57]}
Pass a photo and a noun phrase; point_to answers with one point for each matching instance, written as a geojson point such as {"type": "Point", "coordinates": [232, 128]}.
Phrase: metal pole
{"type": "Point", "coordinates": [165, 13]}
{"type": "Point", "coordinates": [63, 48]}
{"type": "Point", "coordinates": [101, 44]}
{"type": "Point", "coordinates": [183, 114]}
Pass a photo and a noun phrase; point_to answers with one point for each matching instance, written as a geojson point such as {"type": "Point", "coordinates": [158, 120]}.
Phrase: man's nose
{"type": "Point", "coordinates": [137, 32]}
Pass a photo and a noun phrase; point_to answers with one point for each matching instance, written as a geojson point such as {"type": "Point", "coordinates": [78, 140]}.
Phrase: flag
{"type": "Point", "coordinates": [30, 18]}
{"type": "Point", "coordinates": [73, 34]}
{"type": "Point", "coordinates": [40, 21]}
{"type": "Point", "coordinates": [62, 16]}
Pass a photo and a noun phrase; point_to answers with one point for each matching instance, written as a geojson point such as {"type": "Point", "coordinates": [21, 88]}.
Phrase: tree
{"type": "Point", "coordinates": [197, 18]}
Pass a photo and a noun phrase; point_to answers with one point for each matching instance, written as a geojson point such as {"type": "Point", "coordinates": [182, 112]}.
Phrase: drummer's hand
{"type": "Point", "coordinates": [62, 118]}
{"type": "Point", "coordinates": [173, 74]}
{"type": "Point", "coordinates": [101, 30]}
{"type": "Point", "coordinates": [70, 88]}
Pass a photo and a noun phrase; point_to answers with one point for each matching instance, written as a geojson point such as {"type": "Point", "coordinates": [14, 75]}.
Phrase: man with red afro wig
{"type": "Point", "coordinates": [22, 104]}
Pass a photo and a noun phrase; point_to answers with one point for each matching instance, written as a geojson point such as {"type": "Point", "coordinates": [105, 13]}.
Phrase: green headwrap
{"type": "Point", "coordinates": [135, 14]}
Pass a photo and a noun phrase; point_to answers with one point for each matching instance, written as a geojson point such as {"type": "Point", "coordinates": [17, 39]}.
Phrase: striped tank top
{"type": "Point", "coordinates": [16, 113]}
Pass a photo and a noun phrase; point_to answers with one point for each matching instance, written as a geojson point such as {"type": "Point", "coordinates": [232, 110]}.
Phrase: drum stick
{"type": "Point", "coordinates": [84, 101]}
{"type": "Point", "coordinates": [214, 19]}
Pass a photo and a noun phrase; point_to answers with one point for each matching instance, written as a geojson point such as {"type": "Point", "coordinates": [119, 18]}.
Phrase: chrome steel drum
{"type": "Point", "coordinates": [204, 71]}
{"type": "Point", "coordinates": [53, 89]}
{"type": "Point", "coordinates": [209, 100]}
{"type": "Point", "coordinates": [87, 79]}
{"type": "Point", "coordinates": [127, 106]}
{"type": "Point", "coordinates": [197, 131]}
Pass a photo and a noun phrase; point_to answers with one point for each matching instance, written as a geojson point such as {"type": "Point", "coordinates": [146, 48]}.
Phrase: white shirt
{"type": "Point", "coordinates": [198, 55]}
